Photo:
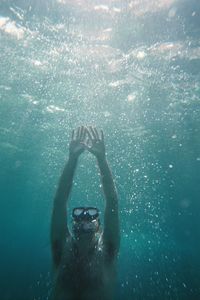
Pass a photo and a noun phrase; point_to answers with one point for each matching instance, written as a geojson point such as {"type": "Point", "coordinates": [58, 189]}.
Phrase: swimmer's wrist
{"type": "Point", "coordinates": [73, 157]}
{"type": "Point", "coordinates": [101, 159]}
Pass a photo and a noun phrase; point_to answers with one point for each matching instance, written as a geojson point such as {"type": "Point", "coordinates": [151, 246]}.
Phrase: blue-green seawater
{"type": "Point", "coordinates": [131, 68]}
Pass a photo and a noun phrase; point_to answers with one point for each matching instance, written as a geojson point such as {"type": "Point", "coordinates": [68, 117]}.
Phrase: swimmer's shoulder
{"type": "Point", "coordinates": [109, 255]}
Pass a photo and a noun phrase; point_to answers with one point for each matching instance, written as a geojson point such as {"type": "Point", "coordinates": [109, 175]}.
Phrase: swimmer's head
{"type": "Point", "coordinates": [85, 221]}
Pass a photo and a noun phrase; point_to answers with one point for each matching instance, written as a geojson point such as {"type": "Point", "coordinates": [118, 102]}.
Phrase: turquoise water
{"type": "Point", "coordinates": [131, 68]}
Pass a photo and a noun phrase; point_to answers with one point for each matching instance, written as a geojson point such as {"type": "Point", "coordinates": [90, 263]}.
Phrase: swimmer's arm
{"type": "Point", "coordinates": [111, 234]}
{"type": "Point", "coordinates": [59, 228]}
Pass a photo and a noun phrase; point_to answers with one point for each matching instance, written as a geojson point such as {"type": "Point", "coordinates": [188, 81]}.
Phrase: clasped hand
{"type": "Point", "coordinates": [87, 138]}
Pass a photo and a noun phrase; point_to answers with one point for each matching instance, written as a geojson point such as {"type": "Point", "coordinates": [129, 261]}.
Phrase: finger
{"type": "Point", "coordinates": [89, 134]}
{"type": "Point", "coordinates": [81, 133]}
{"type": "Point", "coordinates": [73, 134]}
{"type": "Point", "coordinates": [96, 132]}
{"type": "Point", "coordinates": [102, 136]}
{"type": "Point", "coordinates": [84, 134]}
{"type": "Point", "coordinates": [93, 133]}
{"type": "Point", "coordinates": [78, 133]}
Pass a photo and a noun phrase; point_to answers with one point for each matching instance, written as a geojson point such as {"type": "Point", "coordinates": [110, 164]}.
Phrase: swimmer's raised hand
{"type": "Point", "coordinates": [77, 146]}
{"type": "Point", "coordinates": [95, 142]}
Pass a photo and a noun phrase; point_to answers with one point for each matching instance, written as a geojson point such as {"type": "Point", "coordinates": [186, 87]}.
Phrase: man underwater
{"type": "Point", "coordinates": [85, 261]}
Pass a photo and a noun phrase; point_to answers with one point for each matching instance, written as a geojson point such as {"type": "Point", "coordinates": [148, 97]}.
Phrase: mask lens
{"type": "Point", "coordinates": [78, 212]}
{"type": "Point", "coordinates": [92, 212]}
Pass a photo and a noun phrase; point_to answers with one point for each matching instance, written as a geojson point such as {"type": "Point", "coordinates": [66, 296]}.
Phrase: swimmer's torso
{"type": "Point", "coordinates": [84, 278]}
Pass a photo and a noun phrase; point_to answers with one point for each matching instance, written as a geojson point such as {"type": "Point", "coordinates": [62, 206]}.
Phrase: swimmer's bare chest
{"type": "Point", "coordinates": [84, 278]}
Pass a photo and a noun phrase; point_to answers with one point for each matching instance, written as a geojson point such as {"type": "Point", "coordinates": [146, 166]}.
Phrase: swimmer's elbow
{"type": "Point", "coordinates": [112, 250]}
{"type": "Point", "coordinates": [56, 253]}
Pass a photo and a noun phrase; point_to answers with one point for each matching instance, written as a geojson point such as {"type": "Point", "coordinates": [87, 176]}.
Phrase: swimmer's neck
{"type": "Point", "coordinates": [86, 245]}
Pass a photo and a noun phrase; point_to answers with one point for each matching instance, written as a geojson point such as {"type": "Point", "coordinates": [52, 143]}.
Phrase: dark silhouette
{"type": "Point", "coordinates": [85, 261]}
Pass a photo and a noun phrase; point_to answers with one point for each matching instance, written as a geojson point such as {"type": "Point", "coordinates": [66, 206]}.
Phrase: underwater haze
{"type": "Point", "coordinates": [132, 69]}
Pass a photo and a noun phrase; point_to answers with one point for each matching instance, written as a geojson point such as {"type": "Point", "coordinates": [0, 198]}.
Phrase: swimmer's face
{"type": "Point", "coordinates": [85, 228]}
{"type": "Point", "coordinates": [86, 221]}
